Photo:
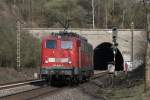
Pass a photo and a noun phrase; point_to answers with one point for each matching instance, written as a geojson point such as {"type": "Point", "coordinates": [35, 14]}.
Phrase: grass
{"type": "Point", "coordinates": [124, 93]}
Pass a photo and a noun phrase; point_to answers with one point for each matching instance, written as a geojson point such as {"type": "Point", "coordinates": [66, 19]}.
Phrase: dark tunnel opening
{"type": "Point", "coordinates": [103, 54]}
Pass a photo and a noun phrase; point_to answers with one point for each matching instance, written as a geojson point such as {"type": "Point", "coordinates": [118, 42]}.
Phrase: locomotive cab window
{"type": "Point", "coordinates": [51, 44]}
{"type": "Point", "coordinates": [66, 44]}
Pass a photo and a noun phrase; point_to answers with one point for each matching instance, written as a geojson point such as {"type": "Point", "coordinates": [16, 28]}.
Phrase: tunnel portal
{"type": "Point", "coordinates": [103, 54]}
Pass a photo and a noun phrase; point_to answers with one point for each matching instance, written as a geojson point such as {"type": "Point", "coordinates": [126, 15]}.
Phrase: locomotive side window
{"type": "Point", "coordinates": [66, 44]}
{"type": "Point", "coordinates": [51, 44]}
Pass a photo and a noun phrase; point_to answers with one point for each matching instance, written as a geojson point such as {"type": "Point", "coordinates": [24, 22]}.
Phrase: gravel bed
{"type": "Point", "coordinates": [69, 94]}
{"type": "Point", "coordinates": [15, 90]}
{"type": "Point", "coordinates": [86, 91]}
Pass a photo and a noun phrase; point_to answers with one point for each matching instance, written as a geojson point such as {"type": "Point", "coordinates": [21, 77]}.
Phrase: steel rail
{"type": "Point", "coordinates": [15, 84]}
{"type": "Point", "coordinates": [32, 94]}
{"type": "Point", "coordinates": [100, 74]}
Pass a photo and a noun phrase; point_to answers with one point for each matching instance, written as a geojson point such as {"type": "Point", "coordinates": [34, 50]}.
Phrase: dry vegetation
{"type": "Point", "coordinates": [8, 41]}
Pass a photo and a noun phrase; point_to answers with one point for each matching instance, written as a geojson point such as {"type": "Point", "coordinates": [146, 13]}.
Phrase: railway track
{"type": "Point", "coordinates": [20, 83]}
{"type": "Point", "coordinates": [33, 93]}
{"type": "Point", "coordinates": [17, 87]}
{"type": "Point", "coordinates": [98, 74]}
{"type": "Point", "coordinates": [29, 91]}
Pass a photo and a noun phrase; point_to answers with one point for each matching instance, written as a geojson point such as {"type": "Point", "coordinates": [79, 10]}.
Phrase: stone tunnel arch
{"type": "Point", "coordinates": [103, 54]}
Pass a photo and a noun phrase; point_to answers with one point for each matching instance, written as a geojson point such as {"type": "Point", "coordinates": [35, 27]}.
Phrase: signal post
{"type": "Point", "coordinates": [115, 44]}
{"type": "Point", "coordinates": [111, 66]}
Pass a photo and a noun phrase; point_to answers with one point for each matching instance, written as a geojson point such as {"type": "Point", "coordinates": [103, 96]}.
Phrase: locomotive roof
{"type": "Point", "coordinates": [70, 34]}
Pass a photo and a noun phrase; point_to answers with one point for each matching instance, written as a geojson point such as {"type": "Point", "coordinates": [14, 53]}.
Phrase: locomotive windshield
{"type": "Point", "coordinates": [51, 44]}
{"type": "Point", "coordinates": [66, 44]}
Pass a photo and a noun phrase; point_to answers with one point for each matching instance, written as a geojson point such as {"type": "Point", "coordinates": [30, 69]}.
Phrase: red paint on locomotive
{"type": "Point", "coordinates": [66, 54]}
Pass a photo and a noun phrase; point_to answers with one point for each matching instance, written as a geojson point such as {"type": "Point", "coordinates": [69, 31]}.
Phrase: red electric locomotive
{"type": "Point", "coordinates": [66, 55]}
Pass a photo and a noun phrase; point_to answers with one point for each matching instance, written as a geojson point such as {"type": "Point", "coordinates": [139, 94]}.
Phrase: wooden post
{"type": "Point", "coordinates": [18, 44]}
{"type": "Point", "coordinates": [132, 34]}
{"type": "Point", "coordinates": [147, 68]}
{"type": "Point", "coordinates": [148, 51]}
{"type": "Point", "coordinates": [147, 57]}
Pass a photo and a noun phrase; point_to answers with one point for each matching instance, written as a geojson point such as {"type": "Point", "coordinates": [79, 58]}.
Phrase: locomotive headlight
{"type": "Point", "coordinates": [69, 62]}
{"type": "Point", "coordinates": [46, 61]}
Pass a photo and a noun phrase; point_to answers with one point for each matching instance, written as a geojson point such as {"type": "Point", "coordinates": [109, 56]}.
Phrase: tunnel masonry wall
{"type": "Point", "coordinates": [99, 36]}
